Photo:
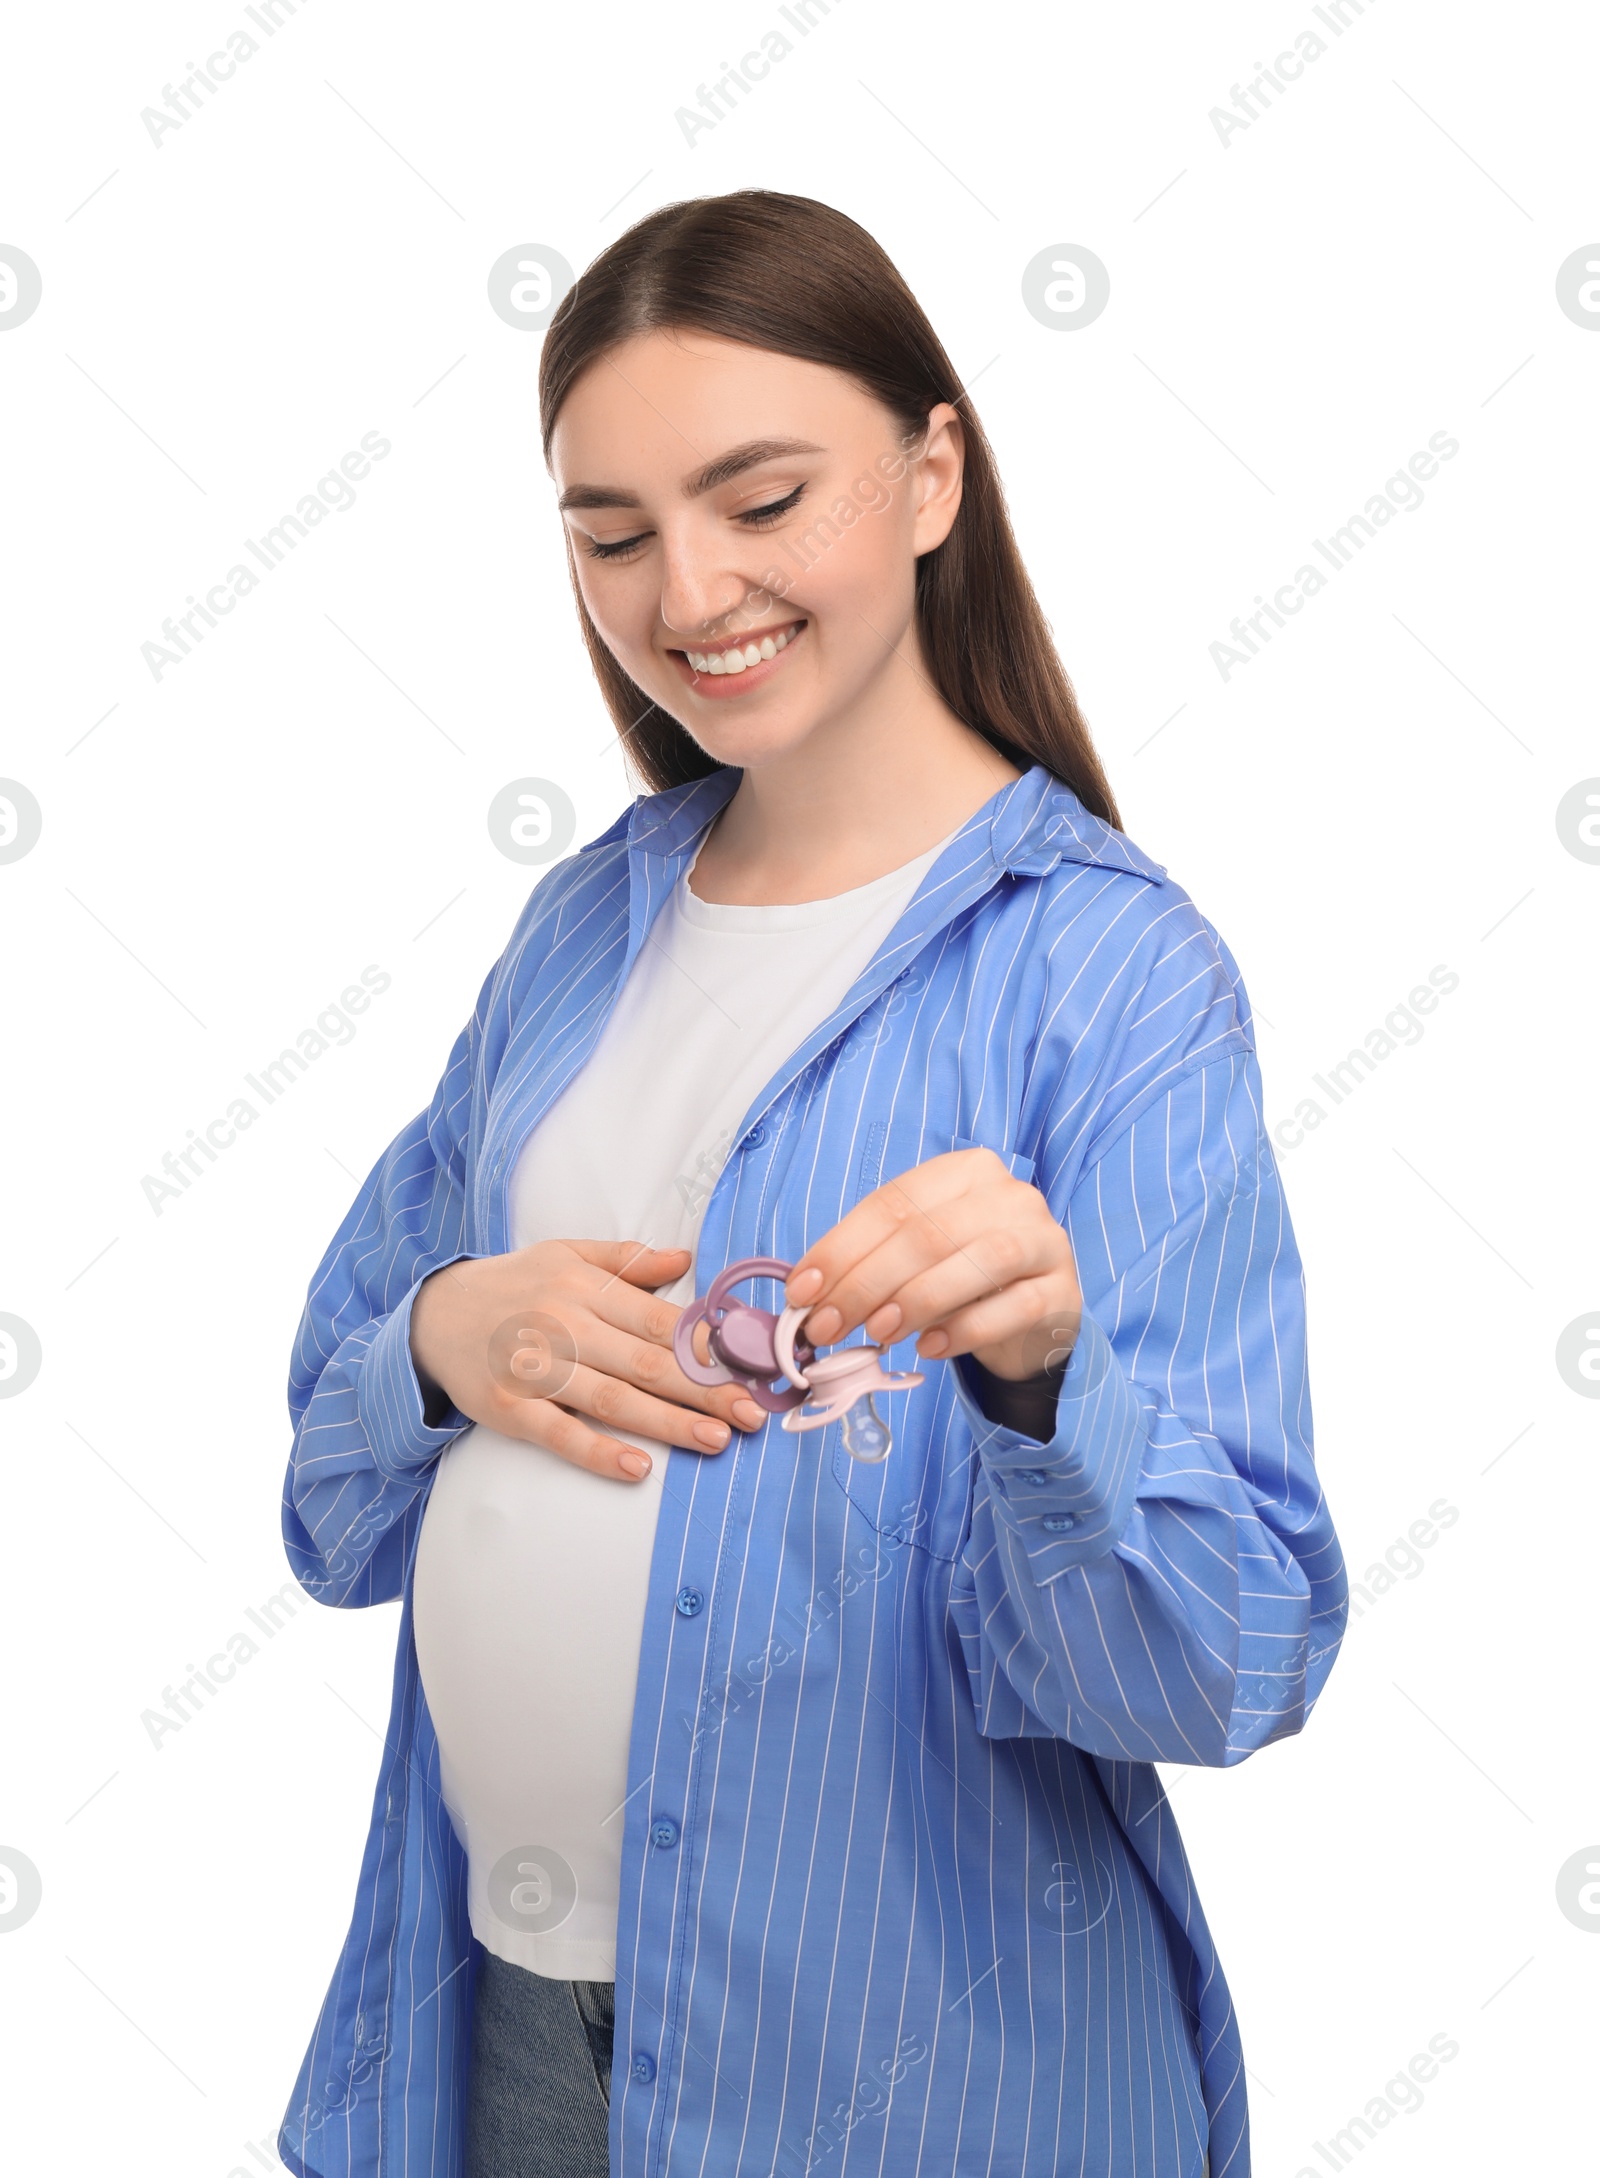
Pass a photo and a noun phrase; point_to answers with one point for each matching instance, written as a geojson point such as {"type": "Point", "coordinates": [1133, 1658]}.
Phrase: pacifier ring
{"type": "Point", "coordinates": [783, 1339]}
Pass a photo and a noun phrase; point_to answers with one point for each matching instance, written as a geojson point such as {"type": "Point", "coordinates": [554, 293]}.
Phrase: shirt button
{"type": "Point", "coordinates": [663, 1832]}
{"type": "Point", "coordinates": [1034, 1475]}
{"type": "Point", "coordinates": [1058, 1523]}
{"type": "Point", "coordinates": [689, 1601]}
{"type": "Point", "coordinates": [643, 2066]}
{"type": "Point", "coordinates": [756, 1136]}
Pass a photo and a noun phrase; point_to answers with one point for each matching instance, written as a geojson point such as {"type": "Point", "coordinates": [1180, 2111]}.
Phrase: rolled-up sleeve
{"type": "Point", "coordinates": [1161, 1580]}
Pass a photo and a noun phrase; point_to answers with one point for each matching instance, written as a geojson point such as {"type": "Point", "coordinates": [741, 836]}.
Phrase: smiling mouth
{"type": "Point", "coordinates": [719, 671]}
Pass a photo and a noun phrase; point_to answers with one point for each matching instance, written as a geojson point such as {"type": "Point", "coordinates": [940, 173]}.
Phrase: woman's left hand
{"type": "Point", "coordinates": [958, 1250]}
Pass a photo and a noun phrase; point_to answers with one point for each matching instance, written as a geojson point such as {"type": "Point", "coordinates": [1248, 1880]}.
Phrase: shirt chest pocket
{"type": "Point", "coordinates": [922, 1493]}
{"type": "Point", "coordinates": [870, 1172]}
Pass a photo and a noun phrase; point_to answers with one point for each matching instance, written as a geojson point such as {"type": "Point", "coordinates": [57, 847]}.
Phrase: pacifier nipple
{"type": "Point", "coordinates": [866, 1437]}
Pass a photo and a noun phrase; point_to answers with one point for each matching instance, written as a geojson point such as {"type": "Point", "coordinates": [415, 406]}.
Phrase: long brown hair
{"type": "Point", "coordinates": [799, 278]}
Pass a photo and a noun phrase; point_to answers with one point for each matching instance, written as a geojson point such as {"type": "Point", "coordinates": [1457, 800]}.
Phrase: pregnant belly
{"type": "Point", "coordinates": [527, 1609]}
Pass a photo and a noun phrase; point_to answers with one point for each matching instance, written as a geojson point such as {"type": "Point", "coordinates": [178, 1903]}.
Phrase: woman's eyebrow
{"type": "Point", "coordinates": [739, 458]}
{"type": "Point", "coordinates": [721, 471]}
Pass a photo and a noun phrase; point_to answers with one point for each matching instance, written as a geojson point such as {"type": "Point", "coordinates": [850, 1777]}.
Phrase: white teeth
{"type": "Point", "coordinates": [740, 659]}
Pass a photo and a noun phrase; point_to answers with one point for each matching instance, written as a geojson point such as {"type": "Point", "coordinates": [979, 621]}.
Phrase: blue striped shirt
{"type": "Point", "coordinates": [900, 1888]}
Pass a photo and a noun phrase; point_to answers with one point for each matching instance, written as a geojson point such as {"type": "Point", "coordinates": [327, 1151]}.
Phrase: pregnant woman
{"type": "Point", "coordinates": [751, 1803]}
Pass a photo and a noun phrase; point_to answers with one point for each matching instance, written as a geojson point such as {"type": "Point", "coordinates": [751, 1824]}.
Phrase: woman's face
{"type": "Point", "coordinates": [745, 528]}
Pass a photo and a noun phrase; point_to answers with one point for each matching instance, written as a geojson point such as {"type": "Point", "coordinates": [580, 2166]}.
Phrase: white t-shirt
{"type": "Point", "coordinates": [531, 1574]}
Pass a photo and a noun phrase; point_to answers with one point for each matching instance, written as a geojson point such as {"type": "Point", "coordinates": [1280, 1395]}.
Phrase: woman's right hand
{"type": "Point", "coordinates": [602, 1345]}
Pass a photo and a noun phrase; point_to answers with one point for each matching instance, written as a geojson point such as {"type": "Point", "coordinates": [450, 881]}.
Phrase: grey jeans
{"type": "Point", "coordinates": [539, 2098]}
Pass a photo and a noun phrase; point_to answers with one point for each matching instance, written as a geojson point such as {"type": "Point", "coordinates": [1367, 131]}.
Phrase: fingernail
{"type": "Point", "coordinates": [635, 1463]}
{"type": "Point", "coordinates": [801, 1289]}
{"type": "Point", "coordinates": [746, 1411]}
{"type": "Point", "coordinates": [821, 1327]}
{"type": "Point", "coordinates": [714, 1434]}
{"type": "Point", "coordinates": [932, 1344]}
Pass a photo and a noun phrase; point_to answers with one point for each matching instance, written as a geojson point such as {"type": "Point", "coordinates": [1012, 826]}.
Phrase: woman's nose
{"type": "Point", "coordinates": [699, 595]}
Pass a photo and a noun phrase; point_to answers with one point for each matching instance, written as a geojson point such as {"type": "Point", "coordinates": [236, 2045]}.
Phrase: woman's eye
{"type": "Point", "coordinates": [753, 518]}
{"type": "Point", "coordinates": [617, 551]}
{"type": "Point", "coordinates": [757, 517]}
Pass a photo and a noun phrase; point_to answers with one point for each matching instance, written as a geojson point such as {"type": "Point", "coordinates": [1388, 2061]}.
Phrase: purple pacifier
{"type": "Point", "coordinates": [739, 1336]}
{"type": "Point", "coordinates": [751, 1346]}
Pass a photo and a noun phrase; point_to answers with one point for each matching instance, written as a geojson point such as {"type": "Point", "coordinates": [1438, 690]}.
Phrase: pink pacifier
{"type": "Point", "coordinates": [751, 1346]}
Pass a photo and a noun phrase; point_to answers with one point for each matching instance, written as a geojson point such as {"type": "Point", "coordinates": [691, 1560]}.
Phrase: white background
{"type": "Point", "coordinates": [1292, 315]}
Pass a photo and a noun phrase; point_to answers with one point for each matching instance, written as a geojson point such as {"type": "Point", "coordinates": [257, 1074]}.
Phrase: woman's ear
{"type": "Point", "coordinates": [937, 478]}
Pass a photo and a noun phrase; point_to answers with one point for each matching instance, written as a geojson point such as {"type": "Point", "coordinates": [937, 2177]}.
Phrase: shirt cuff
{"type": "Point", "coordinates": [389, 1398]}
{"type": "Point", "coordinates": [1069, 1500]}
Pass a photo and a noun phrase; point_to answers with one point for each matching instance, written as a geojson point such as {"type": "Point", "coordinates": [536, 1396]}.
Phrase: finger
{"type": "Point", "coordinates": [630, 1337]}
{"type": "Point", "coordinates": [645, 1357]}
{"type": "Point", "coordinates": [616, 1279]}
{"type": "Point", "coordinates": [655, 1369]}
{"type": "Point", "coordinates": [934, 1262]}
{"type": "Point", "coordinates": [907, 1199]}
{"type": "Point", "coordinates": [542, 1353]}
{"type": "Point", "coordinates": [1031, 1327]}
{"type": "Point", "coordinates": [573, 1440]}
{"type": "Point", "coordinates": [617, 1405]}
{"type": "Point", "coordinates": [634, 1260]}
